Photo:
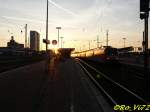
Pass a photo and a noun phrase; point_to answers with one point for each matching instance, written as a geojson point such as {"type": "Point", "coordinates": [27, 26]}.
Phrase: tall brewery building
{"type": "Point", "coordinates": [34, 40]}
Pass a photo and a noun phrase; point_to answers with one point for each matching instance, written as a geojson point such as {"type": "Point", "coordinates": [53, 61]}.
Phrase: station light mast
{"type": "Point", "coordinates": [58, 28]}
{"type": "Point", "coordinates": [26, 36]}
{"type": "Point", "coordinates": [47, 27]}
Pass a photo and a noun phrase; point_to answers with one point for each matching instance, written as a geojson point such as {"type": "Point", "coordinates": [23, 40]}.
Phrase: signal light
{"type": "Point", "coordinates": [144, 5]}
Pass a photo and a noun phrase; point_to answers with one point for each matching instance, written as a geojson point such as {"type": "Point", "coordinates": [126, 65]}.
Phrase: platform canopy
{"type": "Point", "coordinates": [65, 52]}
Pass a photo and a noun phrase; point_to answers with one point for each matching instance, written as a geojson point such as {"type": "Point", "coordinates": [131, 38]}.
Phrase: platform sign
{"type": "Point", "coordinates": [46, 41]}
{"type": "Point", "coordinates": [54, 42]}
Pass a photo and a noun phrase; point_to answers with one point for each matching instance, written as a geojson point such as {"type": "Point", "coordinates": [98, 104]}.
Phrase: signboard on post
{"type": "Point", "coordinates": [54, 42]}
{"type": "Point", "coordinates": [46, 41]}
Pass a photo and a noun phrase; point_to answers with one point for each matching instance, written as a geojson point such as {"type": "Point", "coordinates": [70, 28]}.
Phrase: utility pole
{"type": "Point", "coordinates": [107, 38]}
{"type": "Point", "coordinates": [144, 14]}
{"type": "Point", "coordinates": [28, 42]}
{"type": "Point", "coordinates": [26, 36]}
{"type": "Point", "coordinates": [124, 42]}
{"type": "Point", "coordinates": [47, 27]}
{"type": "Point", "coordinates": [146, 42]}
{"type": "Point", "coordinates": [143, 42]}
{"type": "Point", "coordinates": [97, 41]}
{"type": "Point", "coordinates": [58, 28]}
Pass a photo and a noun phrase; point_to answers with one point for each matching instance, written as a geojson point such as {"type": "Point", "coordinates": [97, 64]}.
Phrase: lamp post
{"type": "Point", "coordinates": [61, 41]}
{"type": "Point", "coordinates": [47, 28]}
{"type": "Point", "coordinates": [26, 36]}
{"type": "Point", "coordinates": [58, 28]}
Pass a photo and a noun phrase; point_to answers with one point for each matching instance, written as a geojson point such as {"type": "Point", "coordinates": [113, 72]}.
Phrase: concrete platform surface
{"type": "Point", "coordinates": [69, 90]}
{"type": "Point", "coordinates": [64, 89]}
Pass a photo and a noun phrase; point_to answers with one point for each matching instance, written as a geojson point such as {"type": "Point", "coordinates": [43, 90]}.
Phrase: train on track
{"type": "Point", "coordinates": [100, 54]}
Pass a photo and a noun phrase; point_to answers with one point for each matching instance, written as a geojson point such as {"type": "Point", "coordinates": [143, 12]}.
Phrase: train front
{"type": "Point", "coordinates": [111, 54]}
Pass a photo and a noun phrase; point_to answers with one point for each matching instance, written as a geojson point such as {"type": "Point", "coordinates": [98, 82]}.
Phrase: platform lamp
{"type": "Point", "coordinates": [58, 28]}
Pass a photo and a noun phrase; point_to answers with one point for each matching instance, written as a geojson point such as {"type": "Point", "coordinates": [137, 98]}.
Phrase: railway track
{"type": "Point", "coordinates": [132, 77]}
{"type": "Point", "coordinates": [114, 92]}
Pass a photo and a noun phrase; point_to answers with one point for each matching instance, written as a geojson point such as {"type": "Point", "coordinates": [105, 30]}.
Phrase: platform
{"type": "Point", "coordinates": [64, 89]}
{"type": "Point", "coordinates": [69, 90]}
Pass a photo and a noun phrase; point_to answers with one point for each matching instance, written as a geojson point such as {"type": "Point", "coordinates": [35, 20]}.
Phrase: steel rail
{"type": "Point", "coordinates": [98, 85]}
{"type": "Point", "coordinates": [121, 86]}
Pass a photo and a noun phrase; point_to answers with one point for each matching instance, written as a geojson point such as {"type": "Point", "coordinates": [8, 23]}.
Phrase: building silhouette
{"type": "Point", "coordinates": [14, 45]}
{"type": "Point", "coordinates": [34, 40]}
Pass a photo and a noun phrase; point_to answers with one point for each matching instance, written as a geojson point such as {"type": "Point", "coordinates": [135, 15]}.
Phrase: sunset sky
{"type": "Point", "coordinates": [81, 21]}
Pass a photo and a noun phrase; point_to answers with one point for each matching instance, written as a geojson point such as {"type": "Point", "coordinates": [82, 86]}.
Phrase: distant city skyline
{"type": "Point", "coordinates": [81, 21]}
